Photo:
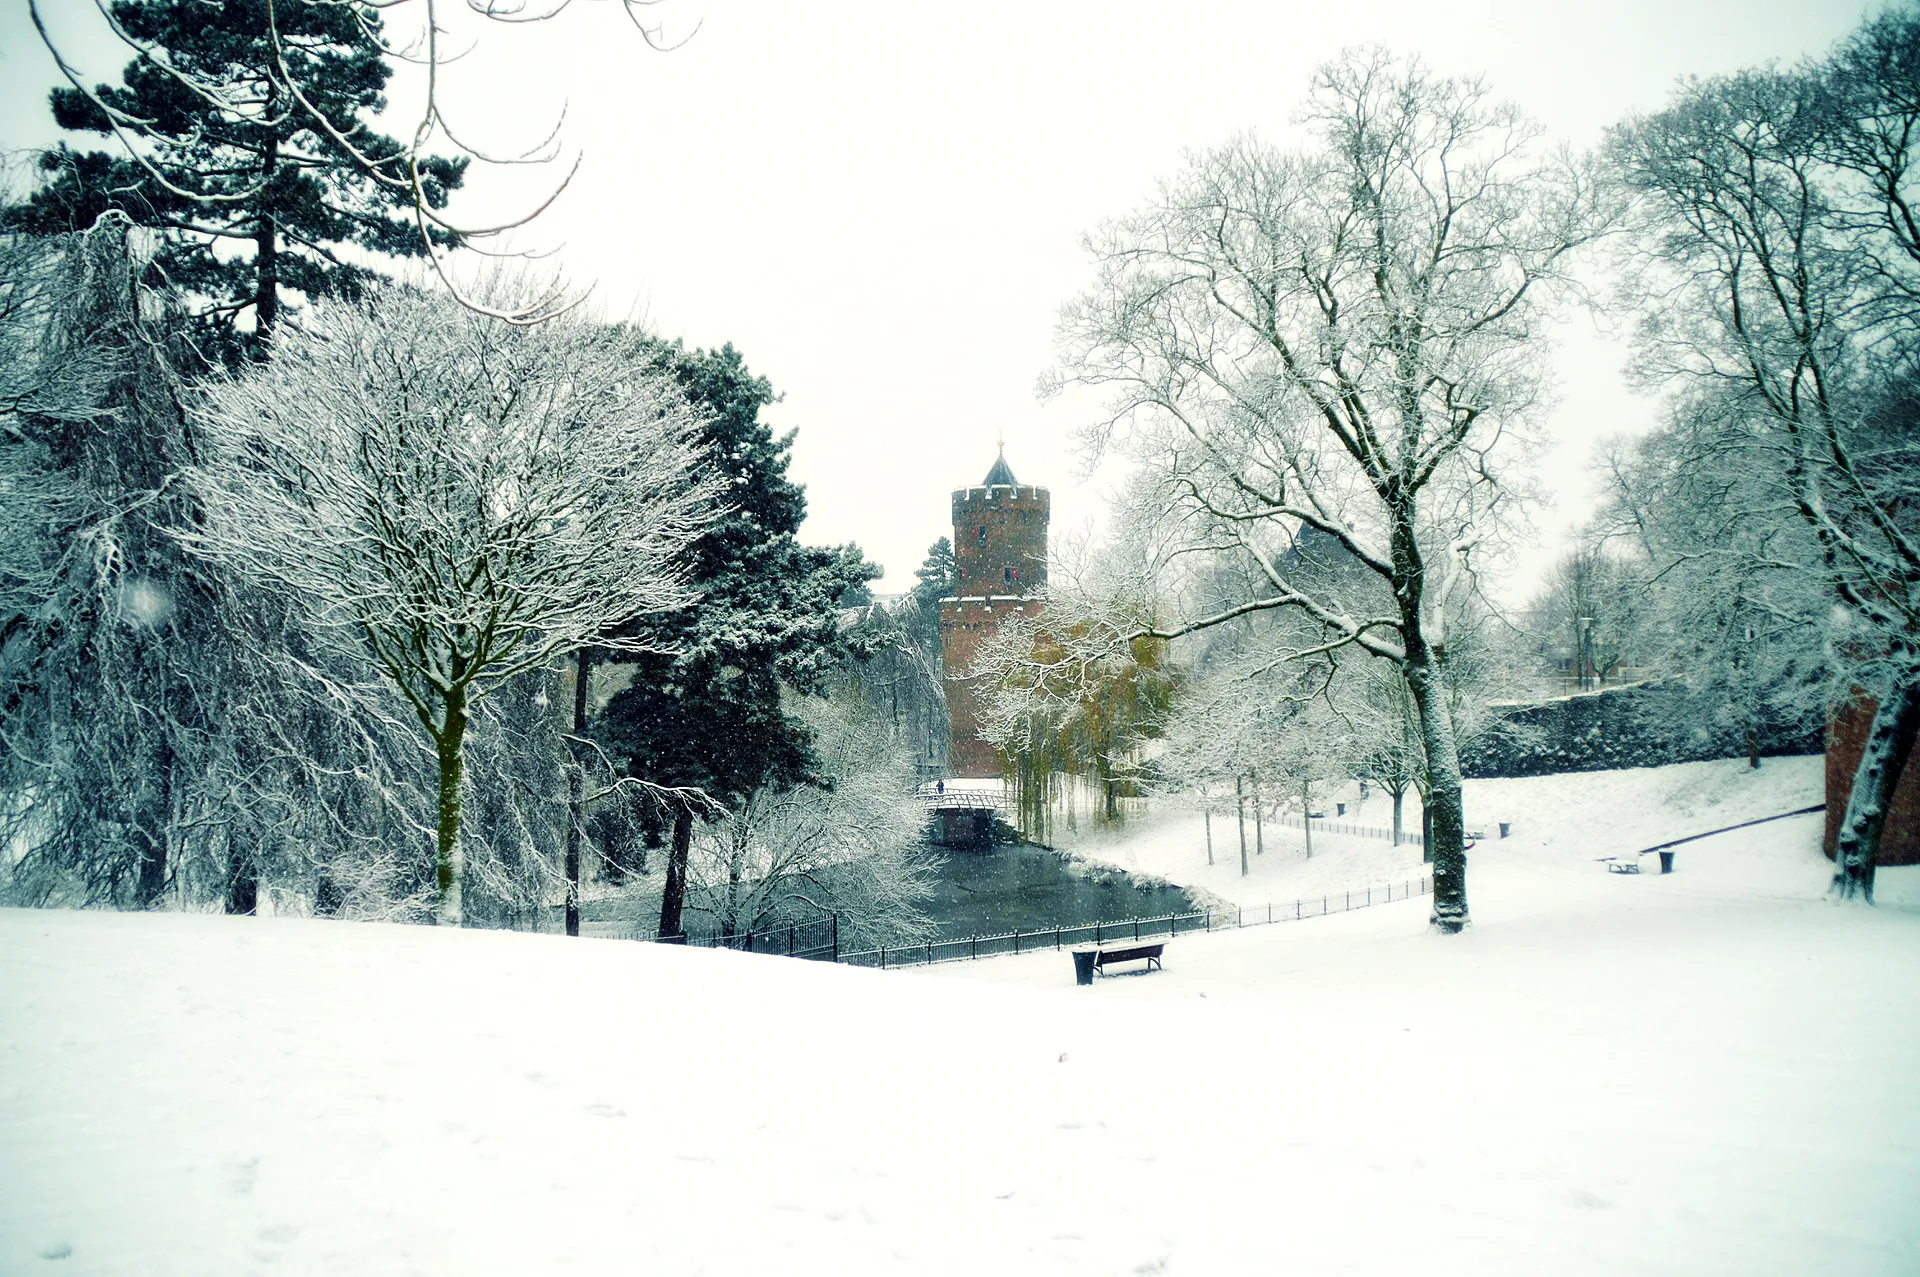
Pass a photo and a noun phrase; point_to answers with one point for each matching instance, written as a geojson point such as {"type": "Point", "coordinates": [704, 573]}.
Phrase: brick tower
{"type": "Point", "coordinates": [1000, 552]}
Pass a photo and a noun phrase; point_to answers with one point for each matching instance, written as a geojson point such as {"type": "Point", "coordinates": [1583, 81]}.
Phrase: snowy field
{"type": "Point", "coordinates": [1577, 817]}
{"type": "Point", "coordinates": [1709, 1073]}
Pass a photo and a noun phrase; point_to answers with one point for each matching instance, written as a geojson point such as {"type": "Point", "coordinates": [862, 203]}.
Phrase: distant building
{"type": "Point", "coordinates": [1000, 556]}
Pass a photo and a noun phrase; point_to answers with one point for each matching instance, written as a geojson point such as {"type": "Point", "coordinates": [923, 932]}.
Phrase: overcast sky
{"type": "Point", "coordinates": [880, 202]}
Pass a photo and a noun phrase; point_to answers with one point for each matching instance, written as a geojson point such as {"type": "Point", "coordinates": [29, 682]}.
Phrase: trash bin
{"type": "Point", "coordinates": [1505, 828]}
{"type": "Point", "coordinates": [1339, 809]}
{"type": "Point", "coordinates": [1666, 862]}
{"type": "Point", "coordinates": [1083, 965]}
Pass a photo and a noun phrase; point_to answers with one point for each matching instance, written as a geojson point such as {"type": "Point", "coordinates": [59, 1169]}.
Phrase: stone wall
{"type": "Point", "coordinates": [1645, 725]}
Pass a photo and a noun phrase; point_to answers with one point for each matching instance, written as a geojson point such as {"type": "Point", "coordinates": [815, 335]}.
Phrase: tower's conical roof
{"type": "Point", "coordinates": [1000, 476]}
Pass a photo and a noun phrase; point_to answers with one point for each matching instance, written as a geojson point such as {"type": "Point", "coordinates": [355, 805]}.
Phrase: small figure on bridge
{"type": "Point", "coordinates": [939, 786]}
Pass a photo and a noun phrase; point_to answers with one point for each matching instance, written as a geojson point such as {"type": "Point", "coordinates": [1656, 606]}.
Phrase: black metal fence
{"type": "Point", "coordinates": [817, 940]}
{"type": "Point", "coordinates": [1350, 829]}
{"type": "Point", "coordinates": [1094, 933]}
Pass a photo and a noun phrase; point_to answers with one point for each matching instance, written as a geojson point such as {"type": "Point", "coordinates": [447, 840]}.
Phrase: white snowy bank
{"type": "Point", "coordinates": [1574, 818]}
{"type": "Point", "coordinates": [1606, 1074]}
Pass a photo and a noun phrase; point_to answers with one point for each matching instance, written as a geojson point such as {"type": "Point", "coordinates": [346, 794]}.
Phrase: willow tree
{"type": "Point", "coordinates": [1075, 694]}
{"type": "Point", "coordinates": [458, 500]}
{"type": "Point", "coordinates": [1343, 339]}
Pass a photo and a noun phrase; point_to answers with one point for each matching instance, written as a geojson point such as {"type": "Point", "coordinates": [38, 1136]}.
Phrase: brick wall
{"type": "Point", "coordinates": [1000, 540]}
{"type": "Point", "coordinates": [964, 624]}
{"type": "Point", "coordinates": [1846, 740]}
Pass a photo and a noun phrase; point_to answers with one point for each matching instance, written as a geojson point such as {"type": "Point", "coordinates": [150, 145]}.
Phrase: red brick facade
{"type": "Point", "coordinates": [1846, 739]}
{"type": "Point", "coordinates": [1000, 551]}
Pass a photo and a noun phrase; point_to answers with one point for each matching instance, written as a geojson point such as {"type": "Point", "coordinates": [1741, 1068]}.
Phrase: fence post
{"type": "Point", "coordinates": [976, 948]}
{"type": "Point", "coordinates": [883, 957]}
{"type": "Point", "coordinates": [1016, 944]}
{"type": "Point", "coordinates": [1136, 928]}
{"type": "Point", "coordinates": [1269, 911]}
{"type": "Point", "coordinates": [1296, 911]}
{"type": "Point", "coordinates": [789, 939]}
{"type": "Point", "coordinates": [1239, 917]}
{"type": "Point", "coordinates": [1209, 921]}
{"type": "Point", "coordinates": [1056, 939]}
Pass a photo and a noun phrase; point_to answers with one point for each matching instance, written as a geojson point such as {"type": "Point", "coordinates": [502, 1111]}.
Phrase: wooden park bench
{"type": "Point", "coordinates": [1131, 953]}
{"type": "Point", "coordinates": [1627, 864]}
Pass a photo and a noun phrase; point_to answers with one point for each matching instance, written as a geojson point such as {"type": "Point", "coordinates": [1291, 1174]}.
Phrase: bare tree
{"type": "Point", "coordinates": [1337, 341]}
{"type": "Point", "coordinates": [457, 500]}
{"type": "Point", "coordinates": [1779, 266]}
{"type": "Point", "coordinates": [848, 844]}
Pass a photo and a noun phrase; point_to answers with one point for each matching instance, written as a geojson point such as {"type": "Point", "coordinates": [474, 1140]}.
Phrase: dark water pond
{"type": "Point", "coordinates": [976, 893]}
{"type": "Point", "coordinates": [1017, 888]}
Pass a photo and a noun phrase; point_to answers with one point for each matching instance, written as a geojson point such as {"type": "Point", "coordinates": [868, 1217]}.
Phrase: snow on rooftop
{"type": "Point", "coordinates": [1605, 1074]}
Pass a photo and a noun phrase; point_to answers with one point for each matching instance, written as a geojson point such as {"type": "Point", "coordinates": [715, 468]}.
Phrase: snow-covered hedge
{"type": "Point", "coordinates": [1644, 725]}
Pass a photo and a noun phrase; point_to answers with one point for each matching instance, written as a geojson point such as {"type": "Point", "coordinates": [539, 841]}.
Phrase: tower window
{"type": "Point", "coordinates": [983, 536]}
{"type": "Point", "coordinates": [1006, 575]}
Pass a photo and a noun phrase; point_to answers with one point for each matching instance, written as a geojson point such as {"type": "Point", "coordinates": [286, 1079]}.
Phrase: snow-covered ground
{"type": "Point", "coordinates": [1710, 1073]}
{"type": "Point", "coordinates": [1576, 818]}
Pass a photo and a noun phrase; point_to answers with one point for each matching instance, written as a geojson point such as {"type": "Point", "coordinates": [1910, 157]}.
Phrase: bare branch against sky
{"type": "Point", "coordinates": [881, 204]}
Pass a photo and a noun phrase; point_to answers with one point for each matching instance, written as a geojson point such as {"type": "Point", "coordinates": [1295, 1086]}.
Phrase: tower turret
{"type": "Point", "coordinates": [1000, 557]}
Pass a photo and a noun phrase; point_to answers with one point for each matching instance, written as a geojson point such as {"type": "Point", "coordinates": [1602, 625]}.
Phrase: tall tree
{"type": "Point", "coordinates": [704, 710]}
{"type": "Point", "coordinates": [164, 733]}
{"type": "Point", "coordinates": [1780, 258]}
{"type": "Point", "coordinates": [247, 142]}
{"type": "Point", "coordinates": [456, 500]}
{"type": "Point", "coordinates": [1339, 339]}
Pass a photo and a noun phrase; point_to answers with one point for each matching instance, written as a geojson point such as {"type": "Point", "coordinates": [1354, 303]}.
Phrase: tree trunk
{"type": "Point", "coordinates": [577, 787]}
{"type": "Point", "coordinates": [1206, 815]}
{"type": "Point", "coordinates": [1446, 836]}
{"type": "Point", "coordinates": [1259, 830]}
{"type": "Point", "coordinates": [243, 883]}
{"type": "Point", "coordinates": [266, 251]}
{"type": "Point", "coordinates": [449, 863]}
{"type": "Point", "coordinates": [673, 900]}
{"type": "Point", "coordinates": [1240, 797]}
{"type": "Point", "coordinates": [1306, 814]}
{"type": "Point", "coordinates": [1399, 798]}
{"type": "Point", "coordinates": [1753, 748]}
{"type": "Point", "coordinates": [151, 881]}
{"type": "Point", "coordinates": [1896, 720]}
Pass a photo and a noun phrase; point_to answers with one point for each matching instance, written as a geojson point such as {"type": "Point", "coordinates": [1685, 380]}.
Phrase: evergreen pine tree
{"type": "Point", "coordinates": [229, 142]}
{"type": "Point", "coordinates": [709, 714]}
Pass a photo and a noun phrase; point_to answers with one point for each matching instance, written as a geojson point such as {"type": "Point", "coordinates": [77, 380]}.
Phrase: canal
{"type": "Point", "coordinates": [1022, 888]}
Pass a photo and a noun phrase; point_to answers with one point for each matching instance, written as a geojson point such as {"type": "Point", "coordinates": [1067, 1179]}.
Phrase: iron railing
{"type": "Point", "coordinates": [967, 948]}
{"type": "Point", "coordinates": [820, 940]}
